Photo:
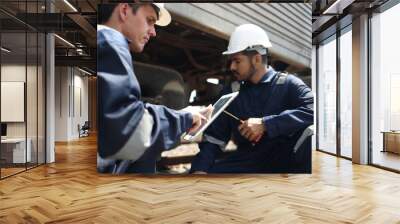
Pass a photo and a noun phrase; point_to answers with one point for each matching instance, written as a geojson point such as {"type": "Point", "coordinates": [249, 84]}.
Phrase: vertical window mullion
{"type": "Point", "coordinates": [26, 86]}
{"type": "Point", "coordinates": [338, 92]}
{"type": "Point", "coordinates": [37, 89]}
{"type": "Point", "coordinates": [369, 100]}
{"type": "Point", "coordinates": [317, 96]}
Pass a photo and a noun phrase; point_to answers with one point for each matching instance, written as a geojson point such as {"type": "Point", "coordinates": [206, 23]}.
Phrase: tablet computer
{"type": "Point", "coordinates": [219, 107]}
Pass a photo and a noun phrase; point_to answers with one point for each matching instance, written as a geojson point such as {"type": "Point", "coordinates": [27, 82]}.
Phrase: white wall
{"type": "Point", "coordinates": [12, 101]}
{"type": "Point", "coordinates": [81, 84]}
{"type": "Point", "coordinates": [61, 103]}
{"type": "Point", "coordinates": [71, 102]}
{"type": "Point", "coordinates": [14, 73]}
{"type": "Point", "coordinates": [33, 126]}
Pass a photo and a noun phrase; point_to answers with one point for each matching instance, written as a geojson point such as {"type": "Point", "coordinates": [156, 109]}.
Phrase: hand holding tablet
{"type": "Point", "coordinates": [218, 108]}
{"type": "Point", "coordinates": [199, 117]}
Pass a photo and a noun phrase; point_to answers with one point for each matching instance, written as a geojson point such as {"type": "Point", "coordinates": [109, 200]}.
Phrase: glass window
{"type": "Point", "coordinates": [346, 94]}
{"type": "Point", "coordinates": [22, 89]}
{"type": "Point", "coordinates": [41, 99]}
{"type": "Point", "coordinates": [327, 96]}
{"type": "Point", "coordinates": [15, 151]}
{"type": "Point", "coordinates": [385, 84]}
{"type": "Point", "coordinates": [31, 99]}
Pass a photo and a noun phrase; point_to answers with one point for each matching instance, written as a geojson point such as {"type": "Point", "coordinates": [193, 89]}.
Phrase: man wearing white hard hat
{"type": "Point", "coordinates": [273, 110]}
{"type": "Point", "coordinates": [132, 134]}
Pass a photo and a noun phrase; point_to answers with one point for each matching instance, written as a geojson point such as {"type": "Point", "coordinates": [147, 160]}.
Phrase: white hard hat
{"type": "Point", "coordinates": [164, 18]}
{"type": "Point", "coordinates": [248, 37]}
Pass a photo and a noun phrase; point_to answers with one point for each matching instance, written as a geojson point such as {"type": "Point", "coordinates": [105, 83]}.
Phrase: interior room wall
{"type": "Point", "coordinates": [92, 110]}
{"type": "Point", "coordinates": [62, 80]}
{"type": "Point", "coordinates": [16, 73]}
{"type": "Point", "coordinates": [71, 102]}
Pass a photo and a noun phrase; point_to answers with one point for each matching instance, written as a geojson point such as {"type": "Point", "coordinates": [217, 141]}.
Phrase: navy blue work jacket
{"type": "Point", "coordinates": [119, 106]}
{"type": "Point", "coordinates": [285, 105]}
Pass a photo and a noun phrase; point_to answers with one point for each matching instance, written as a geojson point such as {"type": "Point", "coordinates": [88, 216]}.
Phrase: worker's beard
{"type": "Point", "coordinates": [251, 73]}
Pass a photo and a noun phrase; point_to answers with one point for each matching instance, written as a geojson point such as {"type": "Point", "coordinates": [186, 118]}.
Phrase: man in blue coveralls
{"type": "Point", "coordinates": [132, 134]}
{"type": "Point", "coordinates": [274, 108]}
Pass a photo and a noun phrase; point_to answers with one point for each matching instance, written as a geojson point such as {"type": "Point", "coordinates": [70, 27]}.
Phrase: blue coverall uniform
{"type": "Point", "coordinates": [120, 108]}
{"type": "Point", "coordinates": [285, 105]}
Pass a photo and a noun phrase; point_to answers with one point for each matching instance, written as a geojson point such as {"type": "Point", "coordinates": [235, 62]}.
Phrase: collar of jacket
{"type": "Point", "coordinates": [116, 35]}
{"type": "Point", "coordinates": [268, 76]}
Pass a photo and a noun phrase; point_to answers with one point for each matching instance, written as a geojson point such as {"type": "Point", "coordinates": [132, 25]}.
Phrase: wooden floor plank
{"type": "Point", "coordinates": [71, 191]}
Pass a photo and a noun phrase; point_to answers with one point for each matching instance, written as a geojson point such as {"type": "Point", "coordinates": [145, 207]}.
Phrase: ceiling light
{"type": "Point", "coordinates": [84, 71]}
{"type": "Point", "coordinates": [193, 95]}
{"type": "Point", "coordinates": [213, 81]}
{"type": "Point", "coordinates": [337, 7]}
{"type": "Point", "coordinates": [70, 5]}
{"type": "Point", "coordinates": [65, 41]}
{"type": "Point", "coordinates": [5, 50]}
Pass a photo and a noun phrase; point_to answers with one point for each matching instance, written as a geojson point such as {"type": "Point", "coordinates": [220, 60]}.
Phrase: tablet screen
{"type": "Point", "coordinates": [219, 107]}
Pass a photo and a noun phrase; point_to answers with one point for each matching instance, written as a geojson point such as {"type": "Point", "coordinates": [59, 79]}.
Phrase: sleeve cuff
{"type": "Point", "coordinates": [187, 120]}
{"type": "Point", "coordinates": [271, 126]}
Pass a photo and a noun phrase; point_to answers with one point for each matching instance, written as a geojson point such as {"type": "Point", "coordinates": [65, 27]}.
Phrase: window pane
{"type": "Point", "coordinates": [14, 150]}
{"type": "Point", "coordinates": [346, 94]}
{"type": "Point", "coordinates": [22, 63]}
{"type": "Point", "coordinates": [41, 99]}
{"type": "Point", "coordinates": [31, 97]}
{"type": "Point", "coordinates": [386, 88]}
{"type": "Point", "coordinates": [327, 97]}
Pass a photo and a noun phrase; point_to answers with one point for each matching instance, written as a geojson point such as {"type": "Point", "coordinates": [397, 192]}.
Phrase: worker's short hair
{"type": "Point", "coordinates": [106, 10]}
{"type": "Point", "coordinates": [252, 53]}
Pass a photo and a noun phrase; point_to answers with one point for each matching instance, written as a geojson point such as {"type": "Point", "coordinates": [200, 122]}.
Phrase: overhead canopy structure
{"type": "Point", "coordinates": [288, 25]}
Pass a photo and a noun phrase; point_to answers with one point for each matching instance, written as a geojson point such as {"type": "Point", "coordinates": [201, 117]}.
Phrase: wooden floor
{"type": "Point", "coordinates": [10, 171]}
{"type": "Point", "coordinates": [71, 191]}
{"type": "Point", "coordinates": [386, 159]}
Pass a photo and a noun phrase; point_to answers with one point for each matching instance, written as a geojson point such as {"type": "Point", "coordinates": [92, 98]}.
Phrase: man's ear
{"type": "Point", "coordinates": [257, 59]}
{"type": "Point", "coordinates": [123, 11]}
